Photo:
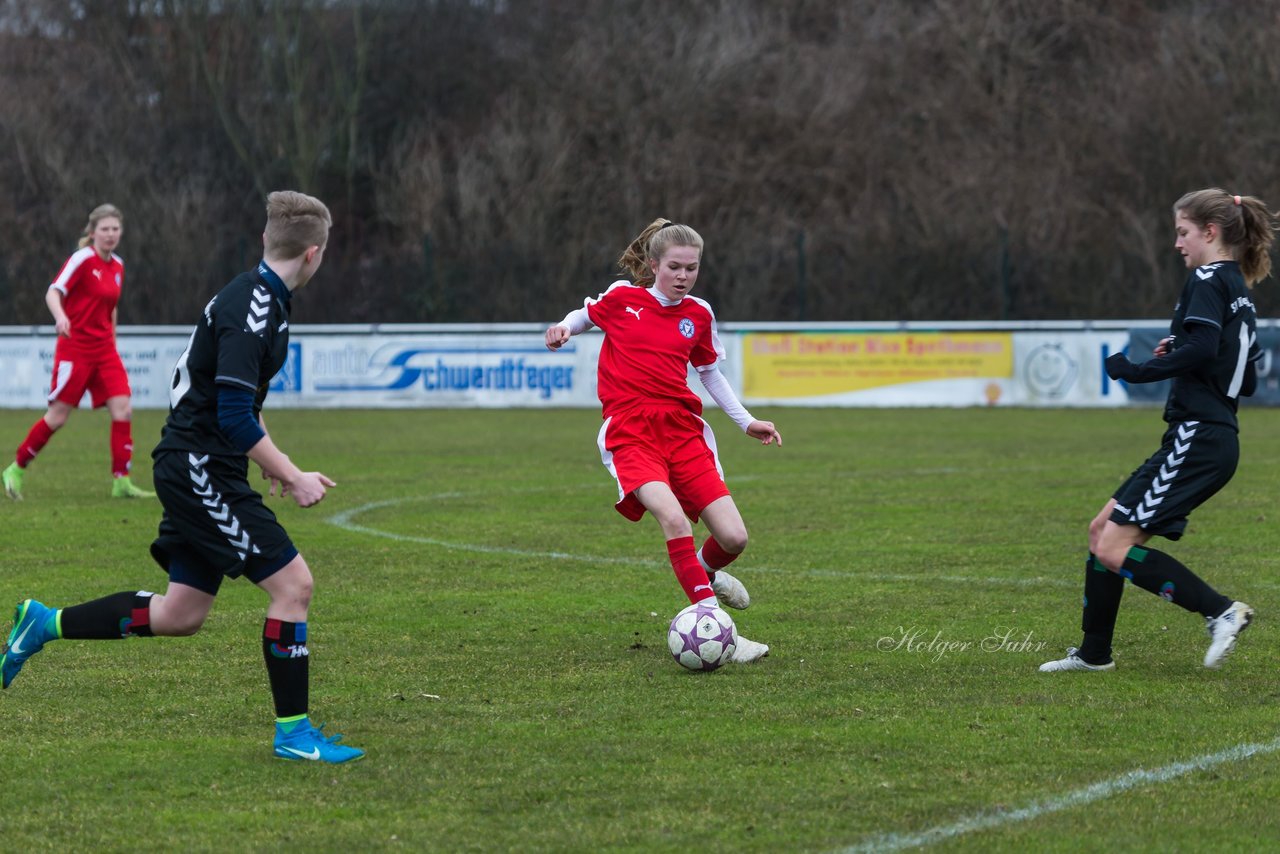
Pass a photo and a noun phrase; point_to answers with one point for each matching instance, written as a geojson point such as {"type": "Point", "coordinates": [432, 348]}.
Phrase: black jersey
{"type": "Point", "coordinates": [241, 341]}
{"type": "Point", "coordinates": [1214, 294]}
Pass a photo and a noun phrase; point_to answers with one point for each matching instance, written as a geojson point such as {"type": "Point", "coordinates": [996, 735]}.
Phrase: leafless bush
{"type": "Point", "coordinates": [844, 159]}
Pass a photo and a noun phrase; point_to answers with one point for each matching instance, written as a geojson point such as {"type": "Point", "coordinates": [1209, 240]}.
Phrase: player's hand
{"type": "Point", "coordinates": [1164, 347]}
{"type": "Point", "coordinates": [765, 432]}
{"type": "Point", "coordinates": [1119, 367]}
{"type": "Point", "coordinates": [556, 336]}
{"type": "Point", "coordinates": [63, 327]}
{"type": "Point", "coordinates": [308, 488]}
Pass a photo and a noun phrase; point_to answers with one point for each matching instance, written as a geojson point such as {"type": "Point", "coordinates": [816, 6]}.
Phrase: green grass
{"type": "Point", "coordinates": [493, 634]}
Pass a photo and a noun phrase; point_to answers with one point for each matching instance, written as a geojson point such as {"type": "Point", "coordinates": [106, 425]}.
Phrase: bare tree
{"type": "Point", "coordinates": [488, 161]}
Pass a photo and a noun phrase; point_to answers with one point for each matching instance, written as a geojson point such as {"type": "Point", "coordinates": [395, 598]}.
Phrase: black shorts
{"type": "Point", "coordinates": [1195, 460]}
{"type": "Point", "coordinates": [214, 524]}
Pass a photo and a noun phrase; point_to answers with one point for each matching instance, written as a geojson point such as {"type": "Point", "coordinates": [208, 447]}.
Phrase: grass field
{"type": "Point", "coordinates": [493, 634]}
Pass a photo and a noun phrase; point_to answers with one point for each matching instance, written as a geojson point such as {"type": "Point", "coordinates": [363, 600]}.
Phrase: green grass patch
{"type": "Point", "coordinates": [493, 634]}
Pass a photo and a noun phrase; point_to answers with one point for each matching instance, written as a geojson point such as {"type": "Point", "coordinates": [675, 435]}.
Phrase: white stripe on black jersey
{"type": "Point", "coordinates": [1216, 295]}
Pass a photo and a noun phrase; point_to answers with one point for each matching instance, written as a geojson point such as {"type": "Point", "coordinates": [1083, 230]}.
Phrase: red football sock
{"type": "Point", "coordinates": [713, 556]}
{"type": "Point", "coordinates": [36, 439]}
{"type": "Point", "coordinates": [690, 574]}
{"type": "Point", "coordinates": [121, 448]}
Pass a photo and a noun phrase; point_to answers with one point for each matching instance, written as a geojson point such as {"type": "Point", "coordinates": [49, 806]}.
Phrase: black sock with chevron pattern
{"type": "Point", "coordinates": [1102, 592]}
{"type": "Point", "coordinates": [1164, 576]}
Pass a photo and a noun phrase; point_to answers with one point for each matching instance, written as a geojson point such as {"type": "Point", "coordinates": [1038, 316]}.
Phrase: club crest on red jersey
{"type": "Point", "coordinates": [686, 327]}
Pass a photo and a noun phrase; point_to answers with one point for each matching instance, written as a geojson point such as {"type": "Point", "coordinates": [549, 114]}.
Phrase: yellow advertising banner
{"type": "Point", "coordinates": [814, 364]}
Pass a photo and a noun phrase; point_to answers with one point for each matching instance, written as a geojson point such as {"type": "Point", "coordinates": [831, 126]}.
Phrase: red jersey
{"type": "Point", "coordinates": [90, 290]}
{"type": "Point", "coordinates": [648, 347]}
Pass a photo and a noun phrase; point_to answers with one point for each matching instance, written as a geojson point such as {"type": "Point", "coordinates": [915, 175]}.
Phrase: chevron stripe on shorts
{"type": "Point", "coordinates": [219, 511]}
{"type": "Point", "coordinates": [1168, 472]}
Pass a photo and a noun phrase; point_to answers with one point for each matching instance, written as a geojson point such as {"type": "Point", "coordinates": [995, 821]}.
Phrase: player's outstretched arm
{"type": "Point", "coordinates": [306, 487]}
{"type": "Point", "coordinates": [722, 393]}
{"type": "Point", "coordinates": [765, 432]}
{"type": "Point", "coordinates": [575, 323]}
{"type": "Point", "coordinates": [1199, 349]}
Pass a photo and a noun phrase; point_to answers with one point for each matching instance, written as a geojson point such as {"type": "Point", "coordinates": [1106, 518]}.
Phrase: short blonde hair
{"type": "Point", "coordinates": [657, 237]}
{"type": "Point", "coordinates": [295, 223]}
{"type": "Point", "coordinates": [96, 215]}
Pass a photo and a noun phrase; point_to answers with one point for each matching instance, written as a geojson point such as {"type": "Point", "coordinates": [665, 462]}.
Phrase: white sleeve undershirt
{"type": "Point", "coordinates": [717, 385]}
{"type": "Point", "coordinates": [577, 321]}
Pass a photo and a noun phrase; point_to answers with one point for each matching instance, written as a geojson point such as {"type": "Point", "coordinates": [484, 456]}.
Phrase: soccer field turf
{"type": "Point", "coordinates": [493, 634]}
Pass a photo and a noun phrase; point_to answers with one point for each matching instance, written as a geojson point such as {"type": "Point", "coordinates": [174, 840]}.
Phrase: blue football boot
{"type": "Point", "coordinates": [34, 625]}
{"type": "Point", "coordinates": [300, 740]}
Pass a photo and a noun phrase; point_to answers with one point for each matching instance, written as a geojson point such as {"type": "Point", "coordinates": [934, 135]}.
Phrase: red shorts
{"type": "Point", "coordinates": [665, 444]}
{"type": "Point", "coordinates": [102, 376]}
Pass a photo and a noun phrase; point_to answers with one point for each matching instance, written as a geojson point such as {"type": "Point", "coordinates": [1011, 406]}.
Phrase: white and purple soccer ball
{"type": "Point", "coordinates": [702, 636]}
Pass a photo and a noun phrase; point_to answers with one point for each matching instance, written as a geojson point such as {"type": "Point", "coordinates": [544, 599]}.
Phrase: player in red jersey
{"type": "Point", "coordinates": [83, 303]}
{"type": "Point", "coordinates": [654, 441]}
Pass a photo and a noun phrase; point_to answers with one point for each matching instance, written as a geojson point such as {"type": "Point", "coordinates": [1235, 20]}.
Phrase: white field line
{"type": "Point", "coordinates": [987, 820]}
{"type": "Point", "coordinates": [344, 520]}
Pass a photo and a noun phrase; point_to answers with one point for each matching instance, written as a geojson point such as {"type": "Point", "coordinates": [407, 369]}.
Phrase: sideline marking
{"type": "Point", "coordinates": [344, 520]}
{"type": "Point", "coordinates": [1087, 795]}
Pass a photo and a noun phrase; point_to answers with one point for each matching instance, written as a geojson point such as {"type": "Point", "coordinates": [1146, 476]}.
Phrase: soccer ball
{"type": "Point", "coordinates": [702, 636]}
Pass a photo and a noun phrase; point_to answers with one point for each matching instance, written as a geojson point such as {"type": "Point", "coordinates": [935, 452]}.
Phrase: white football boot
{"type": "Point", "coordinates": [1224, 630]}
{"type": "Point", "coordinates": [1074, 662]}
{"type": "Point", "coordinates": [749, 650]}
{"type": "Point", "coordinates": [730, 591]}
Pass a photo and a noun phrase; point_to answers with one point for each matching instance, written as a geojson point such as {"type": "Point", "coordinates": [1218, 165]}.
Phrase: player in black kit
{"type": "Point", "coordinates": [1210, 355]}
{"type": "Point", "coordinates": [215, 525]}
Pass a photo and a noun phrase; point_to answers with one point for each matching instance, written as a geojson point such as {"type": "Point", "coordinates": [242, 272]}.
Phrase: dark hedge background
{"type": "Point", "coordinates": [957, 159]}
